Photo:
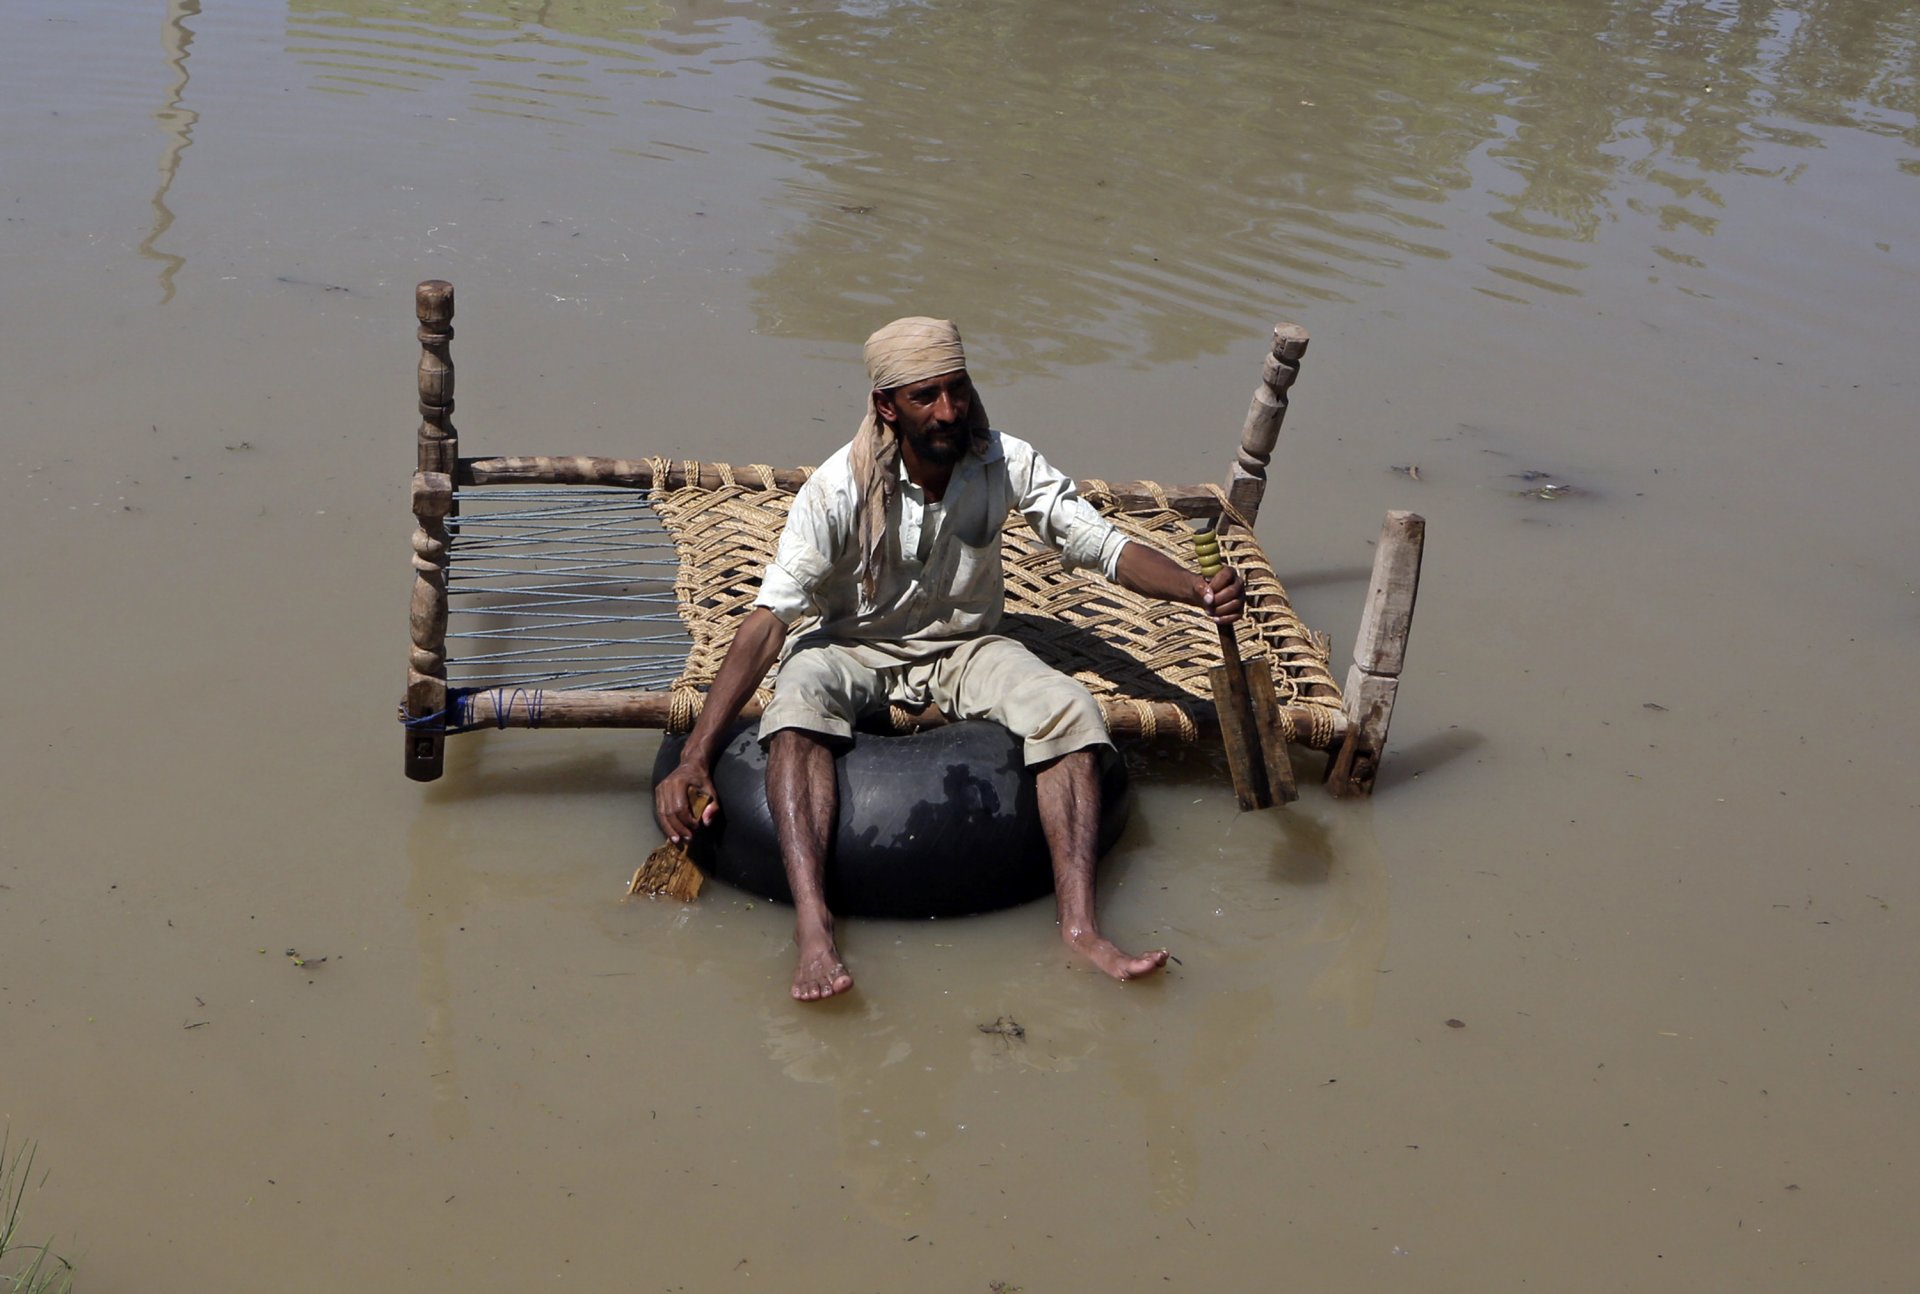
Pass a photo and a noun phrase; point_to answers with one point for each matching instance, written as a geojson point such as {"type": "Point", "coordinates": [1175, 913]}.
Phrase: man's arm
{"type": "Point", "coordinates": [756, 645]}
{"type": "Point", "coordinates": [1084, 539]}
{"type": "Point", "coordinates": [1151, 573]}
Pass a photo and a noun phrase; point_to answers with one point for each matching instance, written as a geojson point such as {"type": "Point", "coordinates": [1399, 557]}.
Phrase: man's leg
{"type": "Point", "coordinates": [1069, 792]}
{"type": "Point", "coordinates": [802, 794]}
{"type": "Point", "coordinates": [815, 697]}
{"type": "Point", "coordinates": [996, 678]}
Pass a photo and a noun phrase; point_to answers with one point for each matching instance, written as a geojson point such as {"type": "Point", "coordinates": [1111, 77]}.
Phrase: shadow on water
{"type": "Point", "coordinates": [1427, 755]}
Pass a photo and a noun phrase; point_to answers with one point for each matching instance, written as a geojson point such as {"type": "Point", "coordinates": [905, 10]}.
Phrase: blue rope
{"type": "Point", "coordinates": [503, 705]}
{"type": "Point", "coordinates": [454, 718]}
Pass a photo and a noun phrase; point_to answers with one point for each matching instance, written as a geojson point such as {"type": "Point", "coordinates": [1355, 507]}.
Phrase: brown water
{"type": "Point", "coordinates": [1645, 827]}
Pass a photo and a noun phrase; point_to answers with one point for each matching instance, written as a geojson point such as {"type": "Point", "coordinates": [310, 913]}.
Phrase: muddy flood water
{"type": "Point", "coordinates": [1619, 295]}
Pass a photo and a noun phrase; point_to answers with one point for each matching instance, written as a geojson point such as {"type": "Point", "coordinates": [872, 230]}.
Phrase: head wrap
{"type": "Point", "coordinates": [904, 352]}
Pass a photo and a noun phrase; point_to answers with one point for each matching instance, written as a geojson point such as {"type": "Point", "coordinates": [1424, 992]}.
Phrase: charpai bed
{"type": "Point", "coordinates": [586, 592]}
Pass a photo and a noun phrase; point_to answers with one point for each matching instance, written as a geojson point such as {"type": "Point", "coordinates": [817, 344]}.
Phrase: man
{"type": "Point", "coordinates": [887, 579]}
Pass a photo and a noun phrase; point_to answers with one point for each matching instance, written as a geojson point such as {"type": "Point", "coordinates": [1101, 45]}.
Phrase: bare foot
{"type": "Point", "coordinates": [1103, 953]}
{"type": "Point", "coordinates": [821, 973]}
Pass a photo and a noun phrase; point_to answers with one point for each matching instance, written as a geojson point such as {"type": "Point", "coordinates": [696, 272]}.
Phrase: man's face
{"type": "Point", "coordinates": [931, 416]}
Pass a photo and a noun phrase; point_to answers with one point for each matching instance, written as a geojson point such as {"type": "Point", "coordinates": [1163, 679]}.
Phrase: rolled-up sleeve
{"type": "Point", "coordinates": [811, 540]}
{"type": "Point", "coordinates": [1048, 499]}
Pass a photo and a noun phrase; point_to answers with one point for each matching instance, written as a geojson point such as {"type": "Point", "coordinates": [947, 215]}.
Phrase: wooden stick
{"type": "Point", "coordinates": [521, 707]}
{"type": "Point", "coordinates": [1232, 703]}
{"type": "Point", "coordinates": [1247, 478]}
{"type": "Point", "coordinates": [1373, 683]}
{"type": "Point", "coordinates": [1193, 501]}
{"type": "Point", "coordinates": [426, 699]}
{"type": "Point", "coordinates": [1277, 764]}
{"type": "Point", "coordinates": [1233, 710]}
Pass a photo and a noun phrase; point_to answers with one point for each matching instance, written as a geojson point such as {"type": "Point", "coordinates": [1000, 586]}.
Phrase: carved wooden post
{"type": "Point", "coordinates": [439, 442]}
{"type": "Point", "coordinates": [1373, 682]}
{"type": "Point", "coordinates": [439, 449]}
{"type": "Point", "coordinates": [1247, 480]}
{"type": "Point", "coordinates": [427, 623]}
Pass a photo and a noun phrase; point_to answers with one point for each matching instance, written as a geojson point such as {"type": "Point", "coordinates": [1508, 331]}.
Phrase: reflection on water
{"type": "Point", "coordinates": [1174, 171]}
{"type": "Point", "coordinates": [178, 122]}
{"type": "Point", "coordinates": [536, 61]}
{"type": "Point", "coordinates": [905, 1064]}
{"type": "Point", "coordinates": [1354, 920]}
{"type": "Point", "coordinates": [1293, 154]}
{"type": "Point", "coordinates": [445, 888]}
{"type": "Point", "coordinates": [1697, 1026]}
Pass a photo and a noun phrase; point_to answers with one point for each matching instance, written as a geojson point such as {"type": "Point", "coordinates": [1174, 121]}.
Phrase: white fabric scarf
{"type": "Point", "coordinates": [904, 352]}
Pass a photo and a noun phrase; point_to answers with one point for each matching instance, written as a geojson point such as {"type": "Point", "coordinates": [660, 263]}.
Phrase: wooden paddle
{"type": "Point", "coordinates": [1244, 700]}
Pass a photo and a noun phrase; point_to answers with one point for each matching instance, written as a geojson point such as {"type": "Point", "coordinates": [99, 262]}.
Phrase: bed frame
{"type": "Point", "coordinates": [587, 592]}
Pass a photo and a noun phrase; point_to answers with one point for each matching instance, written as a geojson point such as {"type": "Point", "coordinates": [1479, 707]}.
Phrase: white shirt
{"type": "Point", "coordinates": [942, 582]}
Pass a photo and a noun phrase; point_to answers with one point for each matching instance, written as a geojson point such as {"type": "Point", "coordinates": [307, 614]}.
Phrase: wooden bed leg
{"type": "Point", "coordinates": [439, 447]}
{"type": "Point", "coordinates": [1247, 478]}
{"type": "Point", "coordinates": [426, 702]}
{"type": "Point", "coordinates": [1381, 649]}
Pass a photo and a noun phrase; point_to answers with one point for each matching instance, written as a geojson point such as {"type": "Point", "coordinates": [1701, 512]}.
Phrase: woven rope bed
{"type": "Point", "coordinates": [603, 592]}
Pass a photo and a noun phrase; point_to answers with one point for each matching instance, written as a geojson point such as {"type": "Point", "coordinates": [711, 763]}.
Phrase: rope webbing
{"type": "Point", "coordinates": [582, 586]}
{"type": "Point", "coordinates": [562, 587]}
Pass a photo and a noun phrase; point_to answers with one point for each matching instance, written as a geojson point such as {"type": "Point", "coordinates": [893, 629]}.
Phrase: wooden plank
{"type": "Point", "coordinates": [1370, 699]}
{"type": "Point", "coordinates": [1242, 745]}
{"type": "Point", "coordinates": [1339, 771]}
{"type": "Point", "coordinates": [1379, 651]}
{"type": "Point", "coordinates": [512, 707]}
{"type": "Point", "coordinates": [631, 473]}
{"type": "Point", "coordinates": [1273, 745]}
{"type": "Point", "coordinates": [1192, 501]}
{"type": "Point", "coordinates": [1381, 646]}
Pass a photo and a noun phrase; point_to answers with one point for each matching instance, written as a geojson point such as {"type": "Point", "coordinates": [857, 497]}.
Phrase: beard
{"type": "Point", "coordinates": [940, 452]}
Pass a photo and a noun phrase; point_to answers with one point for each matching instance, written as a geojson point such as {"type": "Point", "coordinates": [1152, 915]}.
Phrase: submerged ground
{"type": "Point", "coordinates": [1646, 826]}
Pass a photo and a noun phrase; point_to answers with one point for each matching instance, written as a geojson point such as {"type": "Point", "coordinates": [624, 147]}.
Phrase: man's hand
{"type": "Point", "coordinates": [755, 645]}
{"type": "Point", "coordinates": [1221, 597]}
{"type": "Point", "coordinates": [1151, 573]}
{"type": "Point", "coordinates": [673, 801]}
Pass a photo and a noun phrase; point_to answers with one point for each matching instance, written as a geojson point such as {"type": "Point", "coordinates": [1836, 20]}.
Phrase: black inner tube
{"type": "Point", "coordinates": [938, 823]}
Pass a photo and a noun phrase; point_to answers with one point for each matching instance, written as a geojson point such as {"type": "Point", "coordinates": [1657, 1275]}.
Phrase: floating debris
{"type": "Point", "coordinates": [1409, 470]}
{"type": "Point", "coordinates": [293, 955]}
{"type": "Point", "coordinates": [1542, 485]}
{"type": "Point", "coordinates": [1006, 1026]}
{"type": "Point", "coordinates": [1456, 1024]}
{"type": "Point", "coordinates": [311, 283]}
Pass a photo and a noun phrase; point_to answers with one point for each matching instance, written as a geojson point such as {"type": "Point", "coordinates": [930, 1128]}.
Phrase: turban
{"type": "Point", "coordinates": [905, 351]}
{"type": "Point", "coordinates": [913, 350]}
